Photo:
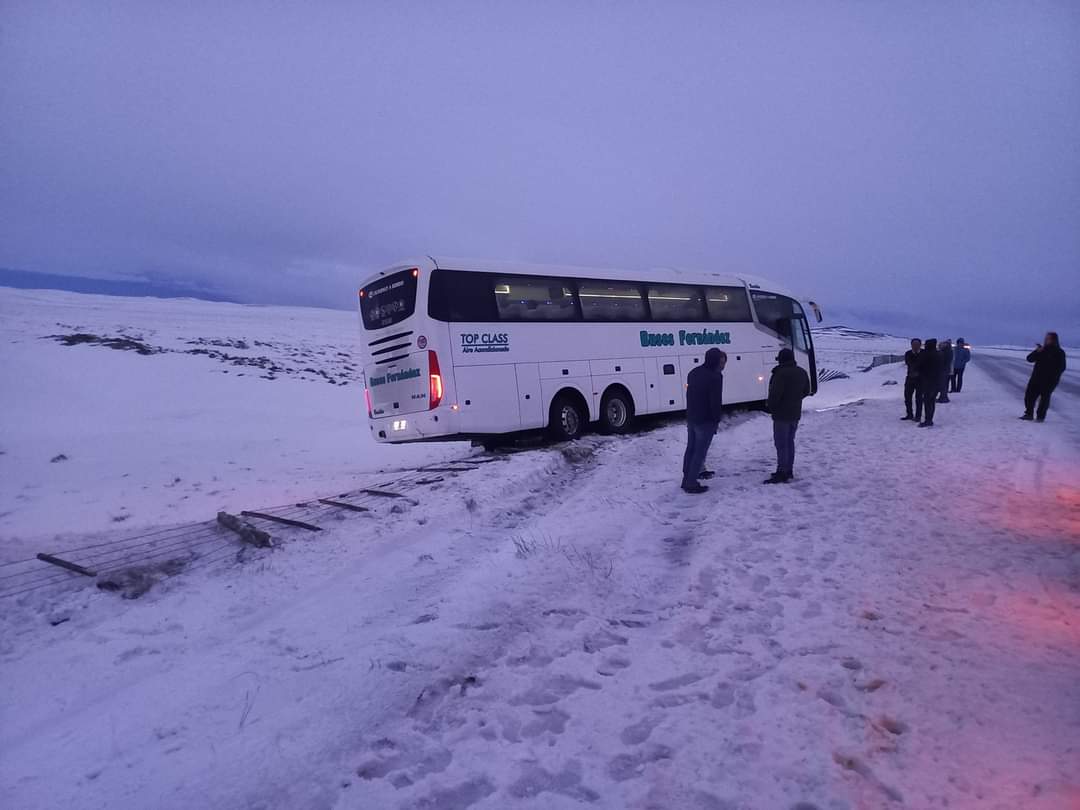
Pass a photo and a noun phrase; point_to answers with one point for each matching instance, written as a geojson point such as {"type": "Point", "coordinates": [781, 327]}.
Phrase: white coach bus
{"type": "Point", "coordinates": [459, 349]}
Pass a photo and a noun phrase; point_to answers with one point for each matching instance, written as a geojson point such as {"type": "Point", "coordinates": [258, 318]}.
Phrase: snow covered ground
{"type": "Point", "coordinates": [238, 406]}
{"type": "Point", "coordinates": [563, 627]}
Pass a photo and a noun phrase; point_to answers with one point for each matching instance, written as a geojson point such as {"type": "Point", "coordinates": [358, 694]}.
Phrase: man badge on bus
{"type": "Point", "coordinates": [704, 403]}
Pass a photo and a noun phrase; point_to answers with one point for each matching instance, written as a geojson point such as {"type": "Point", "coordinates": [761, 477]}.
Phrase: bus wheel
{"type": "Point", "coordinates": [616, 411]}
{"type": "Point", "coordinates": [567, 420]}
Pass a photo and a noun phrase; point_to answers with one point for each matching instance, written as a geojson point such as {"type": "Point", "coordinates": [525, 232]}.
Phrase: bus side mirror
{"type": "Point", "coordinates": [817, 310]}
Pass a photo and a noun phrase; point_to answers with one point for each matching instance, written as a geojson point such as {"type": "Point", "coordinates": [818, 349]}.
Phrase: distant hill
{"type": "Point", "coordinates": [24, 280]}
{"type": "Point", "coordinates": [847, 331]}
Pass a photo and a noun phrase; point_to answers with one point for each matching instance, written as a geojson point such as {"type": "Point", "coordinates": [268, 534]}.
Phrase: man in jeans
{"type": "Point", "coordinates": [961, 357]}
{"type": "Point", "coordinates": [929, 380]}
{"type": "Point", "coordinates": [704, 399]}
{"type": "Point", "coordinates": [946, 352]}
{"type": "Point", "coordinates": [911, 382]}
{"type": "Point", "coordinates": [788, 386]}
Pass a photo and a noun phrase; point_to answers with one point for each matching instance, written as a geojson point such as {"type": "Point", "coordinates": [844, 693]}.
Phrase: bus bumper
{"type": "Point", "coordinates": [414, 427]}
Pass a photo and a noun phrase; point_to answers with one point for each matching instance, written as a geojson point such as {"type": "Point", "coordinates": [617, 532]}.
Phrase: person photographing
{"type": "Point", "coordinates": [1049, 360]}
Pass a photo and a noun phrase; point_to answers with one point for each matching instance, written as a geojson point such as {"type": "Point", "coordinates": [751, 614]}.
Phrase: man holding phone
{"type": "Point", "coordinates": [1049, 360]}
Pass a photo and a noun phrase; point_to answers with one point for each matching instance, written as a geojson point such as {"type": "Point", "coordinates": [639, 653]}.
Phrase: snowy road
{"type": "Point", "coordinates": [900, 627]}
{"type": "Point", "coordinates": [1015, 371]}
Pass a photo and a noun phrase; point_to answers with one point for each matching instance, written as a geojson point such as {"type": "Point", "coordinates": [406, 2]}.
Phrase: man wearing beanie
{"type": "Point", "coordinates": [788, 387]}
{"type": "Point", "coordinates": [704, 402]}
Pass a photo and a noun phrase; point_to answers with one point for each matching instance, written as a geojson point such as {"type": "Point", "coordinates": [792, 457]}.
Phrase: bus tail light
{"type": "Point", "coordinates": [436, 393]}
{"type": "Point", "coordinates": [367, 399]}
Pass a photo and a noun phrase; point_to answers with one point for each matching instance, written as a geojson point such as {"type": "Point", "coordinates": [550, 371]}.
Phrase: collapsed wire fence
{"type": "Point", "coordinates": [193, 546]}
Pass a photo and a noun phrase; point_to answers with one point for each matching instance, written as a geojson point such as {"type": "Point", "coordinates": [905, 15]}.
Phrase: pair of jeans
{"type": "Point", "coordinates": [957, 379]}
{"type": "Point", "coordinates": [912, 391]}
{"type": "Point", "coordinates": [699, 436]}
{"type": "Point", "coordinates": [784, 439]}
{"type": "Point", "coordinates": [929, 395]}
{"type": "Point", "coordinates": [1039, 392]}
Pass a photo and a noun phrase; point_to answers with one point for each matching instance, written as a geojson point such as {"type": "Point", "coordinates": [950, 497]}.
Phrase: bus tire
{"type": "Point", "coordinates": [568, 418]}
{"type": "Point", "coordinates": [616, 410]}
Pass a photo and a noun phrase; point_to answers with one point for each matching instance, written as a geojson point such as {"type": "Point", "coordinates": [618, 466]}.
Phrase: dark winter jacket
{"type": "Point", "coordinates": [788, 386]}
{"type": "Point", "coordinates": [946, 359]}
{"type": "Point", "coordinates": [961, 357]}
{"type": "Point", "coordinates": [1049, 366]}
{"type": "Point", "coordinates": [911, 360]}
{"type": "Point", "coordinates": [704, 395]}
{"type": "Point", "coordinates": [930, 364]}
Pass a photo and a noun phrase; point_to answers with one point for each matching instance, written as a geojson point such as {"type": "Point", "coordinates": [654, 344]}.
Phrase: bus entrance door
{"type": "Point", "coordinates": [802, 343]}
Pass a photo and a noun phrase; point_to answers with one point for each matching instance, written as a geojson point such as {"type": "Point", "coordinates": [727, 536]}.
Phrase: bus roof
{"type": "Point", "coordinates": [659, 274]}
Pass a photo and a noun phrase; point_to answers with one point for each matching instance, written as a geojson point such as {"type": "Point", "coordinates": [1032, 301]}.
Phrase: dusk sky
{"type": "Point", "coordinates": [881, 158]}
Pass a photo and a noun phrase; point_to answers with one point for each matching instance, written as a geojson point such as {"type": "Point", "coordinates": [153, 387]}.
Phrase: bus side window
{"type": "Point", "coordinates": [458, 296]}
{"type": "Point", "coordinates": [728, 304]}
{"type": "Point", "coordinates": [529, 298]}
{"type": "Point", "coordinates": [670, 302]}
{"type": "Point", "coordinates": [611, 301]}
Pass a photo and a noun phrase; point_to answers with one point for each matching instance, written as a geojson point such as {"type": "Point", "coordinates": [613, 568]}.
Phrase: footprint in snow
{"type": "Point", "coordinates": [892, 725]}
{"type": "Point", "coordinates": [639, 732]}
{"type": "Point", "coordinates": [459, 797]}
{"type": "Point", "coordinates": [551, 720]}
{"type": "Point", "coordinates": [676, 682]}
{"type": "Point", "coordinates": [631, 766]}
{"type": "Point", "coordinates": [535, 780]}
{"type": "Point", "coordinates": [552, 690]}
{"type": "Point", "coordinates": [603, 639]}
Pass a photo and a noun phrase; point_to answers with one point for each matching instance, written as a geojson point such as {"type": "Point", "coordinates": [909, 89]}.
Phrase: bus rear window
{"type": "Point", "coordinates": [389, 300]}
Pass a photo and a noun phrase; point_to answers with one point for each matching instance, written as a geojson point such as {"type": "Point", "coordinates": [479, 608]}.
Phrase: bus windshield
{"type": "Point", "coordinates": [389, 300]}
{"type": "Point", "coordinates": [775, 311]}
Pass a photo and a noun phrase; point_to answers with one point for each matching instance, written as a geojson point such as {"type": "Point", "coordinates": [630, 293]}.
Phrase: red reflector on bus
{"type": "Point", "coordinates": [436, 392]}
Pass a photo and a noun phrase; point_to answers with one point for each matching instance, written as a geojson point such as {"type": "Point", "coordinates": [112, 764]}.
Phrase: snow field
{"type": "Point", "coordinates": [567, 628]}
{"type": "Point", "coordinates": [173, 437]}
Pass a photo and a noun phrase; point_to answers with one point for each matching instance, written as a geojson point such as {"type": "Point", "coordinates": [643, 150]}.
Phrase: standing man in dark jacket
{"type": "Point", "coordinates": [929, 380]}
{"type": "Point", "coordinates": [961, 357]}
{"type": "Point", "coordinates": [946, 370]}
{"type": "Point", "coordinates": [704, 400]}
{"type": "Point", "coordinates": [911, 382]}
{"type": "Point", "coordinates": [1049, 360]}
{"type": "Point", "coordinates": [788, 386]}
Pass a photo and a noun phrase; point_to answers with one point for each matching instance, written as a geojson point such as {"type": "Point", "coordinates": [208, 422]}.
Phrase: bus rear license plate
{"type": "Point", "coordinates": [400, 424]}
